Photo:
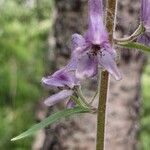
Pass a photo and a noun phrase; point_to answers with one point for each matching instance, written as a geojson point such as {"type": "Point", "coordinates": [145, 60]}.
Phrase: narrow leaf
{"type": "Point", "coordinates": [135, 45]}
{"type": "Point", "coordinates": [51, 119]}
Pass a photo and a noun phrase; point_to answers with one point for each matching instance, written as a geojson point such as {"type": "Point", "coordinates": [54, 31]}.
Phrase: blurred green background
{"type": "Point", "coordinates": [145, 111]}
{"type": "Point", "coordinates": [24, 30]}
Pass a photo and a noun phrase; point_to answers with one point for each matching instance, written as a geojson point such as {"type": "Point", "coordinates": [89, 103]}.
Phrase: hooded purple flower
{"type": "Point", "coordinates": [63, 79]}
{"type": "Point", "coordinates": [145, 18]}
{"type": "Point", "coordinates": [93, 49]}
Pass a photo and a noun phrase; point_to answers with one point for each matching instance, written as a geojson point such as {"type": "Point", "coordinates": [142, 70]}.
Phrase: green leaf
{"type": "Point", "coordinates": [135, 45]}
{"type": "Point", "coordinates": [51, 119]}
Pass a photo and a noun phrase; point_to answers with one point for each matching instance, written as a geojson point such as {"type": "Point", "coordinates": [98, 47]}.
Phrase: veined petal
{"type": "Point", "coordinates": [62, 95]}
{"type": "Point", "coordinates": [96, 33]}
{"type": "Point", "coordinates": [77, 41]}
{"type": "Point", "coordinates": [145, 11]}
{"type": "Point", "coordinates": [106, 46]}
{"type": "Point", "coordinates": [60, 78]}
{"type": "Point", "coordinates": [78, 45]}
{"type": "Point", "coordinates": [87, 67]}
{"type": "Point", "coordinates": [107, 61]}
{"type": "Point", "coordinates": [79, 48]}
{"type": "Point", "coordinates": [72, 65]}
{"type": "Point", "coordinates": [145, 18]}
{"type": "Point", "coordinates": [52, 82]}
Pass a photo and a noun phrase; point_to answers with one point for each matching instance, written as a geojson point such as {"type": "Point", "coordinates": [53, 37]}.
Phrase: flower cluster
{"type": "Point", "coordinates": [88, 53]}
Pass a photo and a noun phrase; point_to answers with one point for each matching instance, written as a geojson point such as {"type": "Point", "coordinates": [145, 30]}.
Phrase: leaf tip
{"type": "Point", "coordinates": [13, 139]}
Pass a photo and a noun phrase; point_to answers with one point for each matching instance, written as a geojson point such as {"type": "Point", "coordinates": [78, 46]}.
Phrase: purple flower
{"type": "Point", "coordinates": [145, 11]}
{"type": "Point", "coordinates": [145, 18]}
{"type": "Point", "coordinates": [93, 49]}
{"type": "Point", "coordinates": [88, 52]}
{"type": "Point", "coordinates": [70, 104]}
{"type": "Point", "coordinates": [145, 39]}
{"type": "Point", "coordinates": [63, 79]}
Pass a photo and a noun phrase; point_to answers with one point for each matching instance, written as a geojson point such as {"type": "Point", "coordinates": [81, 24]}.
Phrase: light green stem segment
{"type": "Point", "coordinates": [101, 110]}
{"type": "Point", "coordinates": [111, 10]}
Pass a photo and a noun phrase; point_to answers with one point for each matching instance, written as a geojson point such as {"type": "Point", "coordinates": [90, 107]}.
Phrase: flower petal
{"type": "Point", "coordinates": [97, 33]}
{"type": "Point", "coordinates": [107, 61]}
{"type": "Point", "coordinates": [52, 82]}
{"type": "Point", "coordinates": [62, 95]}
{"type": "Point", "coordinates": [60, 78]}
{"type": "Point", "coordinates": [72, 65]}
{"type": "Point", "coordinates": [70, 104]}
{"type": "Point", "coordinates": [145, 18]}
{"type": "Point", "coordinates": [106, 46]}
{"type": "Point", "coordinates": [145, 11]}
{"type": "Point", "coordinates": [77, 41]}
{"type": "Point", "coordinates": [145, 39]}
{"type": "Point", "coordinates": [87, 67]}
{"type": "Point", "coordinates": [78, 45]}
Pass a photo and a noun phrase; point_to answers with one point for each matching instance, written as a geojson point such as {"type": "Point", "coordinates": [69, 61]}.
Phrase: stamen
{"type": "Point", "coordinates": [95, 49]}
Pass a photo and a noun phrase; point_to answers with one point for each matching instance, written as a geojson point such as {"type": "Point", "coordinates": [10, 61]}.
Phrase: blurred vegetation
{"type": "Point", "coordinates": [24, 28]}
{"type": "Point", "coordinates": [145, 115]}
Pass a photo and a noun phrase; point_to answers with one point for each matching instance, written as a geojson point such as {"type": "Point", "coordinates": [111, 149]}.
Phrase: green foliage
{"type": "Point", "coordinates": [135, 45]}
{"type": "Point", "coordinates": [24, 31]}
{"type": "Point", "coordinates": [145, 116]}
{"type": "Point", "coordinates": [51, 119]}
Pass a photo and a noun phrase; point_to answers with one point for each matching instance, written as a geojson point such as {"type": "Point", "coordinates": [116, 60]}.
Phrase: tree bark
{"type": "Point", "coordinates": [124, 98]}
{"type": "Point", "coordinates": [123, 107]}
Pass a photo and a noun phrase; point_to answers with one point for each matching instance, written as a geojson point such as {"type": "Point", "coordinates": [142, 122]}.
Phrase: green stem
{"type": "Point", "coordinates": [80, 94]}
{"type": "Point", "coordinates": [83, 101]}
{"type": "Point", "coordinates": [111, 5]}
{"type": "Point", "coordinates": [92, 100]}
{"type": "Point", "coordinates": [101, 110]}
{"type": "Point", "coordinates": [135, 45]}
{"type": "Point", "coordinates": [78, 101]}
{"type": "Point", "coordinates": [140, 30]}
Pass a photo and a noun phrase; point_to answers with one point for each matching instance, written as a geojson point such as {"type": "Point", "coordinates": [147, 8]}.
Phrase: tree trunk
{"type": "Point", "coordinates": [124, 98]}
{"type": "Point", "coordinates": [123, 106]}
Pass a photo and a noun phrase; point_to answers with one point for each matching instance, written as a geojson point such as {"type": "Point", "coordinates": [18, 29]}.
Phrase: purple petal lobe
{"type": "Point", "coordinates": [145, 39]}
{"type": "Point", "coordinates": [60, 78]}
{"type": "Point", "coordinates": [106, 46]}
{"type": "Point", "coordinates": [107, 61]}
{"type": "Point", "coordinates": [96, 33]}
{"type": "Point", "coordinates": [70, 104]}
{"type": "Point", "coordinates": [52, 82]}
{"type": "Point", "coordinates": [78, 45]}
{"type": "Point", "coordinates": [145, 18]}
{"type": "Point", "coordinates": [145, 11]}
{"type": "Point", "coordinates": [62, 95]}
{"type": "Point", "coordinates": [79, 48]}
{"type": "Point", "coordinates": [72, 65]}
{"type": "Point", "coordinates": [87, 67]}
{"type": "Point", "coordinates": [77, 41]}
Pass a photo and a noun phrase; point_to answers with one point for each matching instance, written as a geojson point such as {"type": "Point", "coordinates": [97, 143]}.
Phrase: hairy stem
{"type": "Point", "coordinates": [111, 6]}
{"type": "Point", "coordinates": [92, 100]}
{"type": "Point", "coordinates": [101, 110]}
{"type": "Point", "coordinates": [80, 94]}
{"type": "Point", "coordinates": [140, 30]}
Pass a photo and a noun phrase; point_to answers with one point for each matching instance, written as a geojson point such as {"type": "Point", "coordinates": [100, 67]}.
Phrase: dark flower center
{"type": "Point", "coordinates": [95, 49]}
